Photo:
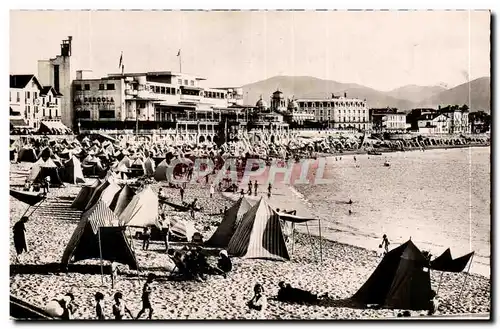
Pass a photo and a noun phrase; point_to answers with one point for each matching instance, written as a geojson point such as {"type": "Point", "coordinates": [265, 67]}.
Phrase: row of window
{"type": "Point", "coordinates": [329, 104]}
{"type": "Point", "coordinates": [27, 111]}
{"type": "Point", "coordinates": [186, 82]}
{"type": "Point", "coordinates": [102, 86]}
{"type": "Point", "coordinates": [28, 96]}
{"type": "Point", "coordinates": [162, 90]}
{"type": "Point", "coordinates": [103, 114]}
{"type": "Point", "coordinates": [216, 95]}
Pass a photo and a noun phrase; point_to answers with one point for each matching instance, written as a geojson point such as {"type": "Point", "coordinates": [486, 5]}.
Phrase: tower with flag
{"type": "Point", "coordinates": [120, 64]}
{"type": "Point", "coordinates": [180, 61]}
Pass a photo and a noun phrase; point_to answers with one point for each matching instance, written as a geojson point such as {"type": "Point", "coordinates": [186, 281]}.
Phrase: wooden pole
{"type": "Point", "coordinates": [439, 285]}
{"type": "Point", "coordinates": [320, 242]}
{"type": "Point", "coordinates": [466, 276]}
{"type": "Point", "coordinates": [310, 239]}
{"type": "Point", "coordinates": [133, 249]}
{"type": "Point", "coordinates": [293, 237]}
{"type": "Point", "coordinates": [100, 253]}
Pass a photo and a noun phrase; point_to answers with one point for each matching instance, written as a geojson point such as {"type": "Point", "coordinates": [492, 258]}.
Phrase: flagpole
{"type": "Point", "coordinates": [466, 276]}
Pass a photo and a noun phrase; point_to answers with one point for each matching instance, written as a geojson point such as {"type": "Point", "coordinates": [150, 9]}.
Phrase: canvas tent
{"type": "Point", "coordinates": [96, 237]}
{"type": "Point", "coordinates": [42, 169]}
{"type": "Point", "coordinates": [400, 281]}
{"type": "Point", "coordinates": [97, 194]}
{"type": "Point", "coordinates": [142, 210]}
{"type": "Point", "coordinates": [72, 172]}
{"type": "Point", "coordinates": [121, 200]}
{"type": "Point", "coordinates": [83, 198]}
{"type": "Point", "coordinates": [182, 228]}
{"type": "Point", "coordinates": [162, 171]}
{"type": "Point", "coordinates": [149, 167]}
{"type": "Point", "coordinates": [27, 155]}
{"type": "Point", "coordinates": [232, 218]}
{"type": "Point", "coordinates": [446, 263]}
{"type": "Point", "coordinates": [259, 235]}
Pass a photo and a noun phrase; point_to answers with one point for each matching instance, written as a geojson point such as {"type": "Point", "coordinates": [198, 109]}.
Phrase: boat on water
{"type": "Point", "coordinates": [374, 153]}
{"type": "Point", "coordinates": [387, 164]}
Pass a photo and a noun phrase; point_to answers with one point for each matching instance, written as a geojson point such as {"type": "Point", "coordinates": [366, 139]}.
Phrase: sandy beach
{"type": "Point", "coordinates": [344, 268]}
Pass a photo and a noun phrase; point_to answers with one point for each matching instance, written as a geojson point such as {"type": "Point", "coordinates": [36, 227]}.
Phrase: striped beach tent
{"type": "Point", "coordinates": [182, 228]}
{"type": "Point", "coordinates": [83, 198]}
{"type": "Point", "coordinates": [122, 199]}
{"type": "Point", "coordinates": [108, 194]}
{"type": "Point", "coordinates": [142, 210]}
{"type": "Point", "coordinates": [259, 235]}
{"type": "Point", "coordinates": [95, 236]}
{"type": "Point", "coordinates": [232, 218]}
{"type": "Point", "coordinates": [97, 194]}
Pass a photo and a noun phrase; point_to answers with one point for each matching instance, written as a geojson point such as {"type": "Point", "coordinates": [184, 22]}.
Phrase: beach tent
{"type": "Point", "coordinates": [125, 161]}
{"type": "Point", "coordinates": [46, 168]}
{"type": "Point", "coordinates": [400, 281]}
{"type": "Point", "coordinates": [181, 228]}
{"type": "Point", "coordinates": [27, 155]}
{"type": "Point", "coordinates": [122, 199]}
{"type": "Point", "coordinates": [161, 171]}
{"type": "Point", "coordinates": [232, 218]}
{"type": "Point", "coordinates": [97, 237]}
{"type": "Point", "coordinates": [259, 235]}
{"type": "Point", "coordinates": [142, 210]}
{"type": "Point", "coordinates": [83, 198]}
{"type": "Point", "coordinates": [149, 167]}
{"type": "Point", "coordinates": [445, 263]}
{"type": "Point", "coordinates": [105, 192]}
{"type": "Point", "coordinates": [72, 172]}
{"type": "Point", "coordinates": [46, 153]}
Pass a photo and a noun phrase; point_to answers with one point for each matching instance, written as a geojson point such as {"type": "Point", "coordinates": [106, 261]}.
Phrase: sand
{"type": "Point", "coordinates": [343, 270]}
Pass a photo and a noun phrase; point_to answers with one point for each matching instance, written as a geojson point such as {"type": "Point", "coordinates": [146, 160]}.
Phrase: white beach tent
{"type": "Point", "coordinates": [142, 211]}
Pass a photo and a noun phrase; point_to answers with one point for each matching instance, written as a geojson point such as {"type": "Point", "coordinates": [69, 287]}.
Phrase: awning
{"type": "Point", "coordinates": [18, 123]}
{"type": "Point", "coordinates": [294, 218]}
{"type": "Point", "coordinates": [53, 127]}
{"type": "Point", "coordinates": [446, 264]}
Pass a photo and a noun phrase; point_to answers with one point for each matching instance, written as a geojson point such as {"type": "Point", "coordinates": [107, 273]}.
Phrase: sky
{"type": "Point", "coordinates": [383, 50]}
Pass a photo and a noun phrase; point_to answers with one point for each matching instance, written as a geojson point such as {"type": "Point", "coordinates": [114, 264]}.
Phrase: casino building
{"type": "Point", "coordinates": [162, 102]}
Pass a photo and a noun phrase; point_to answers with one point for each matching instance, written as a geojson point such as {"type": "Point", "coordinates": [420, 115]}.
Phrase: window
{"type": "Point", "coordinates": [35, 95]}
{"type": "Point", "coordinates": [186, 83]}
{"type": "Point", "coordinates": [101, 86]}
{"type": "Point", "coordinates": [87, 86]}
{"type": "Point", "coordinates": [192, 83]}
{"type": "Point", "coordinates": [57, 113]}
{"type": "Point", "coordinates": [50, 98]}
{"type": "Point", "coordinates": [157, 89]}
{"type": "Point", "coordinates": [162, 90]}
{"type": "Point", "coordinates": [107, 114]}
{"type": "Point", "coordinates": [43, 111]}
{"type": "Point", "coordinates": [43, 100]}
{"type": "Point", "coordinates": [111, 86]}
{"type": "Point", "coordinates": [10, 96]}
{"type": "Point", "coordinates": [55, 99]}
{"type": "Point", "coordinates": [179, 81]}
{"type": "Point", "coordinates": [27, 95]}
{"type": "Point", "coordinates": [78, 87]}
{"type": "Point", "coordinates": [18, 98]}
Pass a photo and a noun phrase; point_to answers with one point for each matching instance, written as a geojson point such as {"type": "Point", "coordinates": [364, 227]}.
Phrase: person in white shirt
{"type": "Point", "coordinates": [258, 301]}
{"type": "Point", "coordinates": [212, 191]}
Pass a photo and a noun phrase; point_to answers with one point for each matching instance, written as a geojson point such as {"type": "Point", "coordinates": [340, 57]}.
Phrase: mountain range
{"type": "Point", "coordinates": [404, 98]}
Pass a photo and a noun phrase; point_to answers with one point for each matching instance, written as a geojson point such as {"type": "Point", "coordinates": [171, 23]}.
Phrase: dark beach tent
{"type": "Point", "coordinates": [47, 168]}
{"type": "Point", "coordinates": [97, 194]}
{"type": "Point", "coordinates": [259, 235]}
{"type": "Point", "coordinates": [83, 198]}
{"type": "Point", "coordinates": [446, 263]}
{"type": "Point", "coordinates": [400, 281]}
{"type": "Point", "coordinates": [162, 172]}
{"type": "Point", "coordinates": [142, 210]}
{"type": "Point", "coordinates": [27, 155]}
{"type": "Point", "coordinates": [46, 153]}
{"type": "Point", "coordinates": [121, 200]}
{"type": "Point", "coordinates": [72, 172]}
{"type": "Point", "coordinates": [84, 243]}
{"type": "Point", "coordinates": [232, 218]}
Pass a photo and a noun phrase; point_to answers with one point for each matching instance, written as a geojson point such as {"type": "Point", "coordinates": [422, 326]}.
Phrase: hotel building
{"type": "Point", "coordinates": [337, 112]}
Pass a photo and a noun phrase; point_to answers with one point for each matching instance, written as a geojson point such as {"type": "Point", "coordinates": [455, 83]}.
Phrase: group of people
{"type": "Point", "coordinates": [192, 264]}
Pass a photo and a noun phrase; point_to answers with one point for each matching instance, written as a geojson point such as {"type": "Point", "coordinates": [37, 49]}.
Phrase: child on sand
{"type": "Point", "coordinates": [385, 243]}
{"type": "Point", "coordinates": [119, 307]}
{"type": "Point", "coordinates": [146, 297]}
{"type": "Point", "coordinates": [99, 298]}
{"type": "Point", "coordinates": [258, 301]}
{"type": "Point", "coordinates": [146, 236]}
{"type": "Point", "coordinates": [212, 191]}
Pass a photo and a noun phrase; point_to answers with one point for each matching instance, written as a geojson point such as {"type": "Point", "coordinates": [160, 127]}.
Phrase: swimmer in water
{"type": "Point", "coordinates": [350, 212]}
{"type": "Point", "coordinates": [350, 201]}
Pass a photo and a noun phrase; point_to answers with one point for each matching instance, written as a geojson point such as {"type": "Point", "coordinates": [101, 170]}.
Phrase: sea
{"type": "Point", "coordinates": [437, 198]}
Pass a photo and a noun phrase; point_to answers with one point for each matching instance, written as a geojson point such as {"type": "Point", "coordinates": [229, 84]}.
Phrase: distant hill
{"type": "Point", "coordinates": [310, 87]}
{"type": "Point", "coordinates": [479, 90]}
{"type": "Point", "coordinates": [403, 98]}
{"type": "Point", "coordinates": [414, 93]}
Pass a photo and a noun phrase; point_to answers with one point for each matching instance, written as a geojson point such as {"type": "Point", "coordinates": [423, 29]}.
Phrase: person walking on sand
{"type": "Point", "coordinates": [20, 237]}
{"type": "Point", "coordinates": [269, 190]}
{"type": "Point", "coordinates": [119, 307]}
{"type": "Point", "coordinates": [212, 191]}
{"type": "Point", "coordinates": [114, 274]}
{"type": "Point", "coordinates": [146, 297]}
{"type": "Point", "coordinates": [146, 236]}
{"type": "Point", "coordinates": [385, 243]}
{"type": "Point", "coordinates": [258, 301]}
{"type": "Point", "coordinates": [99, 309]}
{"type": "Point", "coordinates": [255, 187]}
{"type": "Point", "coordinates": [249, 187]}
{"type": "Point", "coordinates": [181, 190]}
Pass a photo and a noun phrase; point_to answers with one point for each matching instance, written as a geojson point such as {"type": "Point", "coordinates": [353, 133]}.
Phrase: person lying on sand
{"type": "Point", "coordinates": [119, 307]}
{"type": "Point", "coordinates": [289, 294]}
{"type": "Point", "coordinates": [259, 300]}
{"type": "Point", "coordinates": [62, 307]}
